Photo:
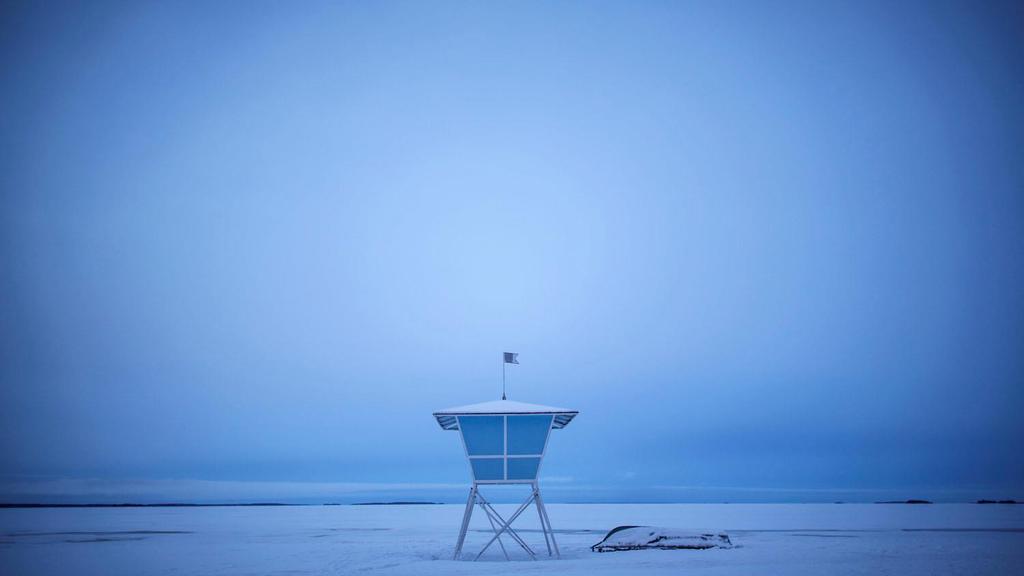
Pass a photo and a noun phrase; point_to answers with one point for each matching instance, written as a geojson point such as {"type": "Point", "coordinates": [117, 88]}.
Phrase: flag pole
{"type": "Point", "coordinates": [502, 375]}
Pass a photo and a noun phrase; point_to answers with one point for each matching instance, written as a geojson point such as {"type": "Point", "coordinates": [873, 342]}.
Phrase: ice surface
{"type": "Point", "coordinates": [767, 539]}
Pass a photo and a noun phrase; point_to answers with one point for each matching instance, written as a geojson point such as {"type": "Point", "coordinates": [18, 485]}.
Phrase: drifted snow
{"type": "Point", "coordinates": [833, 539]}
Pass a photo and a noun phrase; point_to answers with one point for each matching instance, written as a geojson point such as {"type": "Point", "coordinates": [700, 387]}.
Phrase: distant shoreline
{"type": "Point", "coordinates": [195, 505]}
{"type": "Point", "coordinates": [134, 505]}
{"type": "Point", "coordinates": [10, 505]}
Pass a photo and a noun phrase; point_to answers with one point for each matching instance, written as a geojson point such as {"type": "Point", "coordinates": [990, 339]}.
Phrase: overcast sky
{"type": "Point", "coordinates": [770, 251]}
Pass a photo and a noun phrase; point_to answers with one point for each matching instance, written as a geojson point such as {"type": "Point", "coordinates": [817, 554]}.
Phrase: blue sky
{"type": "Point", "coordinates": [771, 251]}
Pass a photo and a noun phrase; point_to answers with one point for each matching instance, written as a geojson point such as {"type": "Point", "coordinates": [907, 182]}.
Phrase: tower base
{"type": "Point", "coordinates": [500, 526]}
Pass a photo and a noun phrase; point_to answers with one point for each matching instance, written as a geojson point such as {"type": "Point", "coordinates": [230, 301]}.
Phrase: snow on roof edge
{"type": "Point", "coordinates": [448, 421]}
{"type": "Point", "coordinates": [505, 407]}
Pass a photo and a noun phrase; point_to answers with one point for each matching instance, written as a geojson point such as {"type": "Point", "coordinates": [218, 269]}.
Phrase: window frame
{"type": "Point", "coordinates": [505, 456]}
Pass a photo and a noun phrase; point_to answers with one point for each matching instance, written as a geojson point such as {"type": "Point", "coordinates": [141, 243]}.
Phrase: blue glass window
{"type": "Point", "coordinates": [488, 468]}
{"type": "Point", "coordinates": [484, 435]}
{"type": "Point", "coordinates": [523, 468]}
{"type": "Point", "coordinates": [527, 434]}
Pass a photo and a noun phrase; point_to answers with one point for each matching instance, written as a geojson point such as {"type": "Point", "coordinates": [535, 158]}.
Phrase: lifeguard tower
{"type": "Point", "coordinates": [505, 443]}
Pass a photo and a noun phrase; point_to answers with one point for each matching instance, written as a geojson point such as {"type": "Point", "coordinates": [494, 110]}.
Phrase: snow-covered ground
{"type": "Point", "coordinates": [768, 538]}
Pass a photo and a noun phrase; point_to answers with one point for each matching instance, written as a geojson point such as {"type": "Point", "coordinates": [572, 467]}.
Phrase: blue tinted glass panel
{"type": "Point", "coordinates": [485, 435]}
{"type": "Point", "coordinates": [526, 434]}
{"type": "Point", "coordinates": [488, 468]}
{"type": "Point", "coordinates": [523, 468]}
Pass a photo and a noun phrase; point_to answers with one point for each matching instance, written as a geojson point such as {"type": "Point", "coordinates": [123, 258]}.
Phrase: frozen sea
{"type": "Point", "coordinates": [769, 539]}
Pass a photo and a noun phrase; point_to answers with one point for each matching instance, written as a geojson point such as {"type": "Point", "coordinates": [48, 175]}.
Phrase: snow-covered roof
{"type": "Point", "coordinates": [446, 418]}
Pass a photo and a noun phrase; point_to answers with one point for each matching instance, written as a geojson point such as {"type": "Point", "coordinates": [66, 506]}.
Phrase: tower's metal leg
{"type": "Point", "coordinates": [465, 521]}
{"type": "Point", "coordinates": [507, 526]}
{"type": "Point", "coordinates": [543, 524]}
{"type": "Point", "coordinates": [494, 527]}
{"type": "Point", "coordinates": [544, 517]}
{"type": "Point", "coordinates": [501, 522]}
